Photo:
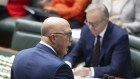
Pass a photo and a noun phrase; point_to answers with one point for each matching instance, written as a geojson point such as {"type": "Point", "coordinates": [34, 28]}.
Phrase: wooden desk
{"type": "Point", "coordinates": [8, 50]}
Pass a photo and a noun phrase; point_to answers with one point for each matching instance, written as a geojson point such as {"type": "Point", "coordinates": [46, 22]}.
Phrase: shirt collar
{"type": "Point", "coordinates": [42, 42]}
{"type": "Point", "coordinates": [103, 32]}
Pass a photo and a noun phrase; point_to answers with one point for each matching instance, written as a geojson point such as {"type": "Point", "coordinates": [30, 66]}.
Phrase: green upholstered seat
{"type": "Point", "coordinates": [135, 54]}
{"type": "Point", "coordinates": [7, 24]}
{"type": "Point", "coordinates": [26, 34]}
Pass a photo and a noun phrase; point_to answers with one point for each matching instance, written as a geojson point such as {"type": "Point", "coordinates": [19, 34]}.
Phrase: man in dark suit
{"type": "Point", "coordinates": [42, 61]}
{"type": "Point", "coordinates": [108, 54]}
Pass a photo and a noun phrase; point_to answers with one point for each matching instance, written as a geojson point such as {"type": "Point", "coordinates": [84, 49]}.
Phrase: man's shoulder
{"type": "Point", "coordinates": [117, 29]}
{"type": "Point", "coordinates": [116, 33]}
{"type": "Point", "coordinates": [25, 50]}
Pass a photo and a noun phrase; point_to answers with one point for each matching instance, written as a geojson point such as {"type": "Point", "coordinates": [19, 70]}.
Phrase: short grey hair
{"type": "Point", "coordinates": [98, 7]}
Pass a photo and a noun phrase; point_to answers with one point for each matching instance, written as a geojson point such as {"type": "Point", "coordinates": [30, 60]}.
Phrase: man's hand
{"type": "Point", "coordinates": [48, 9]}
{"type": "Point", "coordinates": [83, 71]}
{"type": "Point", "coordinates": [43, 3]}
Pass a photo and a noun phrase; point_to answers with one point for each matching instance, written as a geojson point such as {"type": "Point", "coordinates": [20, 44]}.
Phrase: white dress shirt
{"type": "Point", "coordinates": [42, 42]}
{"type": "Point", "coordinates": [101, 39]}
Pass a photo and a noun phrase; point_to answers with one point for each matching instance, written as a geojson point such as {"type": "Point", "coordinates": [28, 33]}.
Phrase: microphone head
{"type": "Point", "coordinates": [106, 76]}
{"type": "Point", "coordinates": [111, 77]}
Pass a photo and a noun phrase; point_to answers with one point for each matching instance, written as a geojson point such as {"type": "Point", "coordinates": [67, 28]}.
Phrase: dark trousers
{"type": "Point", "coordinates": [40, 16]}
{"type": "Point", "coordinates": [3, 12]}
{"type": "Point", "coordinates": [73, 22]}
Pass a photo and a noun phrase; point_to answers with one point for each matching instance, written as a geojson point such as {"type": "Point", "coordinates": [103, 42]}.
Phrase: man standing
{"type": "Point", "coordinates": [42, 61]}
{"type": "Point", "coordinates": [104, 45]}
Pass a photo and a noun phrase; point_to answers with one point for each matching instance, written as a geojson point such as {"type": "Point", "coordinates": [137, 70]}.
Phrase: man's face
{"type": "Point", "coordinates": [95, 22]}
{"type": "Point", "coordinates": [63, 41]}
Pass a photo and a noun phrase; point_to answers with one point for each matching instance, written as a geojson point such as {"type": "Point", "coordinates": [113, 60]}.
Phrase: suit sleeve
{"type": "Point", "coordinates": [77, 50]}
{"type": "Point", "coordinates": [120, 58]}
{"type": "Point", "coordinates": [64, 72]}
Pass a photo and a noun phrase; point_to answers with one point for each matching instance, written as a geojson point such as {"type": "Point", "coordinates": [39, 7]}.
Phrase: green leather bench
{"type": "Point", "coordinates": [7, 25]}
{"type": "Point", "coordinates": [135, 54]}
{"type": "Point", "coordinates": [27, 34]}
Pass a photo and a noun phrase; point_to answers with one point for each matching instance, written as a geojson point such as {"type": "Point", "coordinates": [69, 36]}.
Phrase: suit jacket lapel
{"type": "Point", "coordinates": [91, 39]}
{"type": "Point", "coordinates": [106, 40]}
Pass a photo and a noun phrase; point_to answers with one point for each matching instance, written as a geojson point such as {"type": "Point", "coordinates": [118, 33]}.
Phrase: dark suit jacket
{"type": "Point", "coordinates": [39, 62]}
{"type": "Point", "coordinates": [114, 56]}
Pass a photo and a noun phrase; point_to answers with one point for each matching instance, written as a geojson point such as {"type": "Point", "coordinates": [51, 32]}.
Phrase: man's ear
{"type": "Point", "coordinates": [106, 19]}
{"type": "Point", "coordinates": [52, 38]}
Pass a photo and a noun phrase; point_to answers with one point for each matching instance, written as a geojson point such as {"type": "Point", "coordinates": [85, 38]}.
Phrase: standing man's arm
{"type": "Point", "coordinates": [77, 50]}
{"type": "Point", "coordinates": [119, 59]}
{"type": "Point", "coordinates": [64, 72]}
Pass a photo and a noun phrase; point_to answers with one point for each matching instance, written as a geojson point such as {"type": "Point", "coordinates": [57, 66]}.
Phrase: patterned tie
{"type": "Point", "coordinates": [96, 53]}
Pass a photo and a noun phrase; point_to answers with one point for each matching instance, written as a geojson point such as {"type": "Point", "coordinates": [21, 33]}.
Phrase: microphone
{"type": "Point", "coordinates": [111, 77]}
{"type": "Point", "coordinates": [106, 76]}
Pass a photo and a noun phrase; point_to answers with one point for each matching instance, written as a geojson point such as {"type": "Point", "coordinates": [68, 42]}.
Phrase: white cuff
{"type": "Point", "coordinates": [68, 63]}
{"type": "Point", "coordinates": [92, 72]}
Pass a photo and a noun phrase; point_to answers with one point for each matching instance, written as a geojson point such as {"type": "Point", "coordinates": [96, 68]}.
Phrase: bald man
{"type": "Point", "coordinates": [42, 61]}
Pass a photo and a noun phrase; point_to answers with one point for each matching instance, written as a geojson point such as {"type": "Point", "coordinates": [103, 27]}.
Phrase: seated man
{"type": "Point", "coordinates": [126, 14]}
{"type": "Point", "coordinates": [104, 45]}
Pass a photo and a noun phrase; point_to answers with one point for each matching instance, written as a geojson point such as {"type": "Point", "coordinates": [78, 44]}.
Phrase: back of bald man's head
{"type": "Point", "coordinates": [51, 24]}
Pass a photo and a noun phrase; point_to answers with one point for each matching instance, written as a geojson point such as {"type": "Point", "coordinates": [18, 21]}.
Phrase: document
{"type": "Point", "coordinates": [78, 77]}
